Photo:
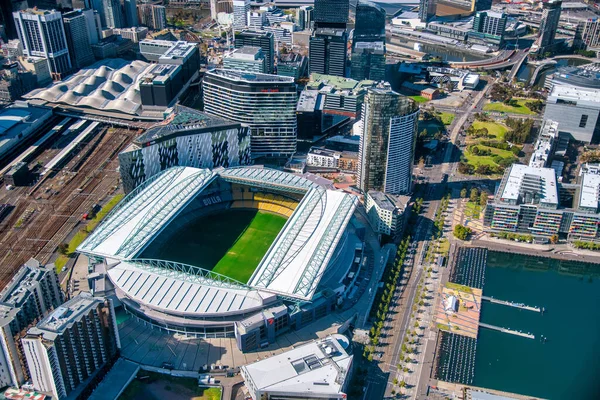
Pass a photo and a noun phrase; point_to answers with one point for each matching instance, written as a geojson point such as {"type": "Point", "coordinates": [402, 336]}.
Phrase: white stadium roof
{"type": "Point", "coordinates": [292, 267]}
{"type": "Point", "coordinates": [178, 292]}
{"type": "Point", "coordinates": [294, 264]}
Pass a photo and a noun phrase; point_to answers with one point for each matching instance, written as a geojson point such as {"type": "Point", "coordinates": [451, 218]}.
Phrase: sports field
{"type": "Point", "coordinates": [231, 243]}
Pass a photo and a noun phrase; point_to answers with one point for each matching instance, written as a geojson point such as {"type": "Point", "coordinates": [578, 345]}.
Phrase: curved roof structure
{"type": "Point", "coordinates": [292, 267]}
{"type": "Point", "coordinates": [109, 85]}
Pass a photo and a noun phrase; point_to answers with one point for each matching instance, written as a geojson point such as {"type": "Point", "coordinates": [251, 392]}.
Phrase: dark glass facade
{"type": "Point", "coordinates": [370, 21]}
{"type": "Point", "coordinates": [331, 13]}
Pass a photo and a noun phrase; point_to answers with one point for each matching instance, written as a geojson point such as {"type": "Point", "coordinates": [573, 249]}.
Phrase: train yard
{"type": "Point", "coordinates": [44, 214]}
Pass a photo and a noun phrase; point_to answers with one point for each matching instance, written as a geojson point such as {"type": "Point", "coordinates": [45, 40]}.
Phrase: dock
{"type": "Point", "coordinates": [511, 304]}
{"type": "Point", "coordinates": [506, 330]}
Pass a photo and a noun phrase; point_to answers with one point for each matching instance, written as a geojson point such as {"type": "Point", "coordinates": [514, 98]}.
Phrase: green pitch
{"type": "Point", "coordinates": [231, 243]}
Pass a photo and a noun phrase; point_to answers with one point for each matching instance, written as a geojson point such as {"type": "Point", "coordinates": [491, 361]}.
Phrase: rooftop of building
{"type": "Point", "coordinates": [339, 32]}
{"type": "Point", "coordinates": [309, 101]}
{"type": "Point", "coordinates": [16, 119]}
{"type": "Point", "coordinates": [320, 81]}
{"type": "Point", "coordinates": [388, 202]}
{"type": "Point", "coordinates": [159, 73]}
{"type": "Point", "coordinates": [320, 151]}
{"type": "Point", "coordinates": [370, 45]}
{"type": "Point", "coordinates": [38, 11]}
{"type": "Point", "coordinates": [517, 180]}
{"type": "Point", "coordinates": [254, 77]}
{"type": "Point", "coordinates": [180, 49]}
{"type": "Point", "coordinates": [320, 366]}
{"type": "Point", "coordinates": [567, 92]}
{"type": "Point", "coordinates": [590, 191]}
{"type": "Point", "coordinates": [290, 58]}
{"type": "Point", "coordinates": [180, 121]}
{"type": "Point", "coordinates": [251, 32]}
{"type": "Point", "coordinates": [355, 139]}
{"type": "Point", "coordinates": [582, 76]}
{"type": "Point", "coordinates": [65, 315]}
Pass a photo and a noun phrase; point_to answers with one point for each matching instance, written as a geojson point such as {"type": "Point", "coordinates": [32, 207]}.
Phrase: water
{"type": "Point", "coordinates": [527, 70]}
{"type": "Point", "coordinates": [565, 367]}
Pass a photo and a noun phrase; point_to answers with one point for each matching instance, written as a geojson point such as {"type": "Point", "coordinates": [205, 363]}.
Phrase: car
{"type": "Point", "coordinates": [167, 365]}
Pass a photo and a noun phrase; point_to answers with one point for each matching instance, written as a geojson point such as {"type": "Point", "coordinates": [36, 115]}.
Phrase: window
{"type": "Point", "coordinates": [583, 121]}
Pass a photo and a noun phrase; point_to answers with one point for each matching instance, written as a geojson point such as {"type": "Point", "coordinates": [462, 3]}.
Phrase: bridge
{"type": "Point", "coordinates": [511, 304]}
{"type": "Point", "coordinates": [506, 330]}
{"type": "Point", "coordinates": [540, 67]}
{"type": "Point", "coordinates": [517, 66]}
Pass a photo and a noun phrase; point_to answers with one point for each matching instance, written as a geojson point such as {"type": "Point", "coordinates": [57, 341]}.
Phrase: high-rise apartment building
{"type": "Point", "coordinates": [71, 344]}
{"type": "Point", "coordinates": [94, 24]}
{"type": "Point", "coordinates": [43, 35]}
{"type": "Point", "coordinates": [328, 51]}
{"type": "Point", "coordinates": [264, 40]}
{"type": "Point", "coordinates": [387, 146]}
{"type": "Point", "coordinates": [368, 44]}
{"type": "Point", "coordinates": [490, 23]}
{"type": "Point", "coordinates": [113, 14]}
{"type": "Point", "coordinates": [549, 23]}
{"type": "Point", "coordinates": [265, 103]}
{"type": "Point", "coordinates": [78, 39]}
{"type": "Point", "coordinates": [241, 8]}
{"type": "Point", "coordinates": [32, 293]}
{"type": "Point", "coordinates": [131, 14]}
{"type": "Point", "coordinates": [426, 10]}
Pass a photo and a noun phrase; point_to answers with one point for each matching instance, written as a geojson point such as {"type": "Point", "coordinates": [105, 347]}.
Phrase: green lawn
{"type": "Point", "coordinates": [243, 257]}
{"type": "Point", "coordinates": [494, 128]}
{"type": "Point", "coordinates": [157, 386]}
{"type": "Point", "coordinates": [501, 107]}
{"type": "Point", "coordinates": [419, 99]}
{"type": "Point", "coordinates": [231, 243]}
{"type": "Point", "coordinates": [472, 210]}
{"type": "Point", "coordinates": [447, 117]}
{"type": "Point", "coordinates": [486, 160]}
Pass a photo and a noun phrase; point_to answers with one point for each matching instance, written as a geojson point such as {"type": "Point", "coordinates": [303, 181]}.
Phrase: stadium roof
{"type": "Point", "coordinates": [292, 267]}
{"type": "Point", "coordinates": [143, 213]}
{"type": "Point", "coordinates": [176, 288]}
{"type": "Point", "coordinates": [296, 261]}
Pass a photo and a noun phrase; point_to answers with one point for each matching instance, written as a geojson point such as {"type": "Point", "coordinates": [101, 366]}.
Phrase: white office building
{"type": "Point", "coordinates": [241, 8]}
{"type": "Point", "coordinates": [316, 370]}
{"type": "Point", "coordinates": [247, 58]}
{"type": "Point", "coordinates": [43, 35]}
{"type": "Point", "coordinates": [385, 212]}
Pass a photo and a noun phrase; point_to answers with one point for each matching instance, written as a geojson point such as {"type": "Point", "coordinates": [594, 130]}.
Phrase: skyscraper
{"type": "Point", "coordinates": [483, 5]}
{"type": "Point", "coordinates": [264, 40]}
{"type": "Point", "coordinates": [549, 23]}
{"type": "Point", "coordinates": [43, 35]}
{"type": "Point", "coordinates": [327, 51]}
{"type": "Point", "coordinates": [368, 45]}
{"type": "Point", "coordinates": [113, 14]}
{"type": "Point", "coordinates": [331, 13]}
{"type": "Point", "coordinates": [241, 8]}
{"type": "Point", "coordinates": [329, 42]}
{"type": "Point", "coordinates": [266, 103]}
{"type": "Point", "coordinates": [131, 14]}
{"type": "Point", "coordinates": [78, 39]}
{"type": "Point", "coordinates": [387, 145]}
{"type": "Point", "coordinates": [94, 24]}
{"type": "Point", "coordinates": [67, 347]}
{"type": "Point", "coordinates": [153, 16]}
{"type": "Point", "coordinates": [490, 23]}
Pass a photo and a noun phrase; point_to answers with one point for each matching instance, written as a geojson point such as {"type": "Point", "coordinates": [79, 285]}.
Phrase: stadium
{"type": "Point", "coordinates": [246, 252]}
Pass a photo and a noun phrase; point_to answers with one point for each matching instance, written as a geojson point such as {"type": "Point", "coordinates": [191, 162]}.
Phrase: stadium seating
{"type": "Point", "coordinates": [264, 201]}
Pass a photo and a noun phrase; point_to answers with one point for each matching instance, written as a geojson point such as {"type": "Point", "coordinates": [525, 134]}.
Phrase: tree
{"type": "Point", "coordinates": [483, 199]}
{"type": "Point", "coordinates": [461, 232]}
{"type": "Point", "coordinates": [554, 239]}
{"type": "Point", "coordinates": [63, 249]}
{"type": "Point", "coordinates": [474, 196]}
{"type": "Point", "coordinates": [463, 193]}
{"type": "Point", "coordinates": [402, 383]}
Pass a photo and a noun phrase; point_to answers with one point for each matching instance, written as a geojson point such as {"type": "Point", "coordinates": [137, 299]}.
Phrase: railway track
{"type": "Point", "coordinates": [60, 201]}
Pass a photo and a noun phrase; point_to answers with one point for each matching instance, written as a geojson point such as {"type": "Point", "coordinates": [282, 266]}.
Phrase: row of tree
{"type": "Point", "coordinates": [475, 196]}
{"type": "Point", "coordinates": [440, 216]}
{"type": "Point", "coordinates": [580, 244]}
{"type": "Point", "coordinates": [393, 277]}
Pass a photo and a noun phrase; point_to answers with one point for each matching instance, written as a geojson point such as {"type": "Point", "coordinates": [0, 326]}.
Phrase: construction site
{"type": "Point", "coordinates": [72, 172]}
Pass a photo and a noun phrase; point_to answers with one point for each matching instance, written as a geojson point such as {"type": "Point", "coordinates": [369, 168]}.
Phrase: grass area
{"type": "Point", "coordinates": [472, 210]}
{"type": "Point", "coordinates": [231, 242]}
{"type": "Point", "coordinates": [460, 288]}
{"type": "Point", "coordinates": [156, 386]}
{"type": "Point", "coordinates": [250, 247]}
{"type": "Point", "coordinates": [501, 107]}
{"type": "Point", "coordinates": [444, 248]}
{"type": "Point", "coordinates": [447, 117]}
{"type": "Point", "coordinates": [495, 129]}
{"type": "Point", "coordinates": [432, 126]}
{"type": "Point", "coordinates": [419, 99]}
{"type": "Point", "coordinates": [443, 327]}
{"type": "Point", "coordinates": [80, 236]}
